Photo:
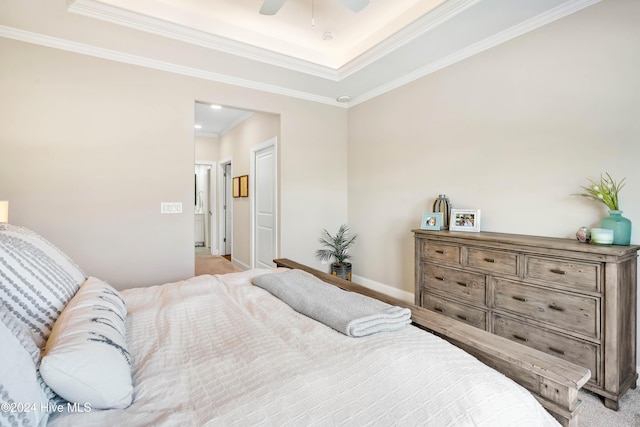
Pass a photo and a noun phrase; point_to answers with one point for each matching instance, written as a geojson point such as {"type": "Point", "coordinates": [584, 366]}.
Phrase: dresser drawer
{"type": "Point", "coordinates": [493, 261]}
{"type": "Point", "coordinates": [469, 315]}
{"type": "Point", "coordinates": [579, 352]}
{"type": "Point", "coordinates": [571, 312]}
{"type": "Point", "coordinates": [578, 275]}
{"type": "Point", "coordinates": [438, 252]}
{"type": "Point", "coordinates": [457, 284]}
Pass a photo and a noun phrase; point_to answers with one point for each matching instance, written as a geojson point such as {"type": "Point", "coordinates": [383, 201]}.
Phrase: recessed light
{"type": "Point", "coordinates": [198, 126]}
{"type": "Point", "coordinates": [343, 98]}
{"type": "Point", "coordinates": [216, 107]}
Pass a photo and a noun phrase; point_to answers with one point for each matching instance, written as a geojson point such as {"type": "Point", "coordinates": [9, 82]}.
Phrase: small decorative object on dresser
{"type": "Point", "coordinates": [337, 247]}
{"type": "Point", "coordinates": [602, 236]}
{"type": "Point", "coordinates": [465, 220]}
{"type": "Point", "coordinates": [559, 296]}
{"type": "Point", "coordinates": [606, 191]}
{"type": "Point", "coordinates": [431, 221]}
{"type": "Point", "coordinates": [443, 206]}
{"type": "Point", "coordinates": [583, 234]}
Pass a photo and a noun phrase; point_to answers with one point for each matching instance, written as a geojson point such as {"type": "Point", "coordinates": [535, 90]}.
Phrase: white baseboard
{"type": "Point", "coordinates": [384, 288]}
{"type": "Point", "coordinates": [239, 264]}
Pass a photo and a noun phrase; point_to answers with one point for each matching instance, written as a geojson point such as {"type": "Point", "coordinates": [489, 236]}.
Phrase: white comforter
{"type": "Point", "coordinates": [217, 351]}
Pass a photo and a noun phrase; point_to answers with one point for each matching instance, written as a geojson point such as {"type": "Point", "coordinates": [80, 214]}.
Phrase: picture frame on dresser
{"type": "Point", "coordinates": [465, 220]}
{"type": "Point", "coordinates": [431, 221]}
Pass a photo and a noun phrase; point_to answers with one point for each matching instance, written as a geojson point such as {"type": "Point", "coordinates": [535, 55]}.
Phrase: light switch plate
{"type": "Point", "coordinates": [171, 207]}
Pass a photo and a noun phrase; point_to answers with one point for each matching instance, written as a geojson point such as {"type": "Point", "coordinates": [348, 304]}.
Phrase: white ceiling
{"type": "Point", "coordinates": [386, 45]}
{"type": "Point", "coordinates": [215, 122]}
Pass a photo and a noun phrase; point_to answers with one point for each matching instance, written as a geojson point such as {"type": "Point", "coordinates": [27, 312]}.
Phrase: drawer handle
{"type": "Point", "coordinates": [555, 270]}
{"type": "Point", "coordinates": [520, 338]}
{"type": "Point", "coordinates": [521, 299]}
{"type": "Point", "coordinates": [440, 251]}
{"type": "Point", "coordinates": [490, 260]}
{"type": "Point", "coordinates": [555, 350]}
{"type": "Point", "coordinates": [462, 284]}
{"type": "Point", "coordinates": [556, 307]}
{"type": "Point", "coordinates": [439, 310]}
{"type": "Point", "coordinates": [440, 278]}
{"type": "Point", "coordinates": [462, 317]}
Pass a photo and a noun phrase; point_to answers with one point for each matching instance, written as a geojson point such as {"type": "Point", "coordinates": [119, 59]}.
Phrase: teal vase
{"type": "Point", "coordinates": [620, 225]}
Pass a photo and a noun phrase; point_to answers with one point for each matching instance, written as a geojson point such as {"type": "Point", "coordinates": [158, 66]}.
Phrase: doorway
{"type": "Point", "coordinates": [225, 212]}
{"type": "Point", "coordinates": [204, 199]}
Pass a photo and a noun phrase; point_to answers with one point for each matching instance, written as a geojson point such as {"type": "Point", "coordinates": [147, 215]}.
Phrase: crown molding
{"type": "Point", "coordinates": [504, 36]}
{"type": "Point", "coordinates": [561, 11]}
{"type": "Point", "coordinates": [97, 10]}
{"type": "Point", "coordinates": [414, 30]}
{"type": "Point", "coordinates": [136, 21]}
{"type": "Point", "coordinates": [112, 55]}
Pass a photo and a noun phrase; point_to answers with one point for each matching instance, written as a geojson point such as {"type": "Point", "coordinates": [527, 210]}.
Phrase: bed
{"type": "Point", "coordinates": [226, 350]}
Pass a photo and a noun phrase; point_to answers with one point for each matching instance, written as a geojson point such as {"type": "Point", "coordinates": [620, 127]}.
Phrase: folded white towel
{"type": "Point", "coordinates": [350, 313]}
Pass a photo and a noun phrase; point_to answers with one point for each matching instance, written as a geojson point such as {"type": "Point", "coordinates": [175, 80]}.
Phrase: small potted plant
{"type": "Point", "coordinates": [337, 247]}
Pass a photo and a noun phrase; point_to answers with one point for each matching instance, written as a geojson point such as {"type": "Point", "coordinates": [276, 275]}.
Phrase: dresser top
{"type": "Point", "coordinates": [521, 240]}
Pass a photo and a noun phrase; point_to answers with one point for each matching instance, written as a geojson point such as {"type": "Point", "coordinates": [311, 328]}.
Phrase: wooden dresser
{"type": "Point", "coordinates": [574, 300]}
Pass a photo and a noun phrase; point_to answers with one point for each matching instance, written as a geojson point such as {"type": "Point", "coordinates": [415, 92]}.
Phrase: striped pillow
{"type": "Point", "coordinates": [36, 280]}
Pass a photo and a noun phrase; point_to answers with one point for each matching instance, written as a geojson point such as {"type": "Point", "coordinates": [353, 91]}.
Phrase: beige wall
{"type": "Point", "coordinates": [236, 145]}
{"type": "Point", "coordinates": [90, 148]}
{"type": "Point", "coordinates": [514, 131]}
{"type": "Point", "coordinates": [207, 148]}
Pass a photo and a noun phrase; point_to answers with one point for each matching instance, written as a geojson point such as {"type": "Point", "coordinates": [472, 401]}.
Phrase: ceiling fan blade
{"type": "Point", "coordinates": [271, 7]}
{"type": "Point", "coordinates": [355, 5]}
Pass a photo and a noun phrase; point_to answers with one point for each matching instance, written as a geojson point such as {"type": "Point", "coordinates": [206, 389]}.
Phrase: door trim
{"type": "Point", "coordinates": [221, 212]}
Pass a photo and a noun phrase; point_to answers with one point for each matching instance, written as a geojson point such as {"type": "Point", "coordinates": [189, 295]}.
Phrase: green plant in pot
{"type": "Point", "coordinates": [337, 247]}
{"type": "Point", "coordinates": [607, 191]}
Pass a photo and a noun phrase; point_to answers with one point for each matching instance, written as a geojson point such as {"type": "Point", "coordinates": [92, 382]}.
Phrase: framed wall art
{"type": "Point", "coordinates": [244, 186]}
{"type": "Point", "coordinates": [465, 220]}
{"type": "Point", "coordinates": [236, 187]}
{"type": "Point", "coordinates": [431, 221]}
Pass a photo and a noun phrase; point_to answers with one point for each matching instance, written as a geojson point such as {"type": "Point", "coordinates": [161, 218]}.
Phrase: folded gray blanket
{"type": "Point", "coordinates": [350, 313]}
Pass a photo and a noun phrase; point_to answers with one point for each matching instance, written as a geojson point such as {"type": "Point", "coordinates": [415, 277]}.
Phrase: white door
{"type": "Point", "coordinates": [264, 204]}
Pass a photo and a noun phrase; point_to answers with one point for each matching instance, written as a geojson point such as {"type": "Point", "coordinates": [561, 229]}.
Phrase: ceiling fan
{"type": "Point", "coordinates": [271, 7]}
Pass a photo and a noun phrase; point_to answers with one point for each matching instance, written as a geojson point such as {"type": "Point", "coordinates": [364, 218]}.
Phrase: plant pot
{"type": "Point", "coordinates": [342, 271]}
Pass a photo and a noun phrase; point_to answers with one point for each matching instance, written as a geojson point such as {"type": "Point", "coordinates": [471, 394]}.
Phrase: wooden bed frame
{"type": "Point", "coordinates": [553, 381]}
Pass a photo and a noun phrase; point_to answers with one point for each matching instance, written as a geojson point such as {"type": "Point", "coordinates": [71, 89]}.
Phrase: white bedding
{"type": "Point", "coordinates": [217, 351]}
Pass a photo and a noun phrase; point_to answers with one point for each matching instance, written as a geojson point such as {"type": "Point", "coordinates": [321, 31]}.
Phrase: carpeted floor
{"type": "Point", "coordinates": [593, 413]}
{"type": "Point", "coordinates": [214, 264]}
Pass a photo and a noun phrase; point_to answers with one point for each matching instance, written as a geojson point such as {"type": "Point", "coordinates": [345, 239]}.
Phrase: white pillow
{"type": "Point", "coordinates": [38, 280]}
{"type": "Point", "coordinates": [24, 398]}
{"type": "Point", "coordinates": [86, 359]}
